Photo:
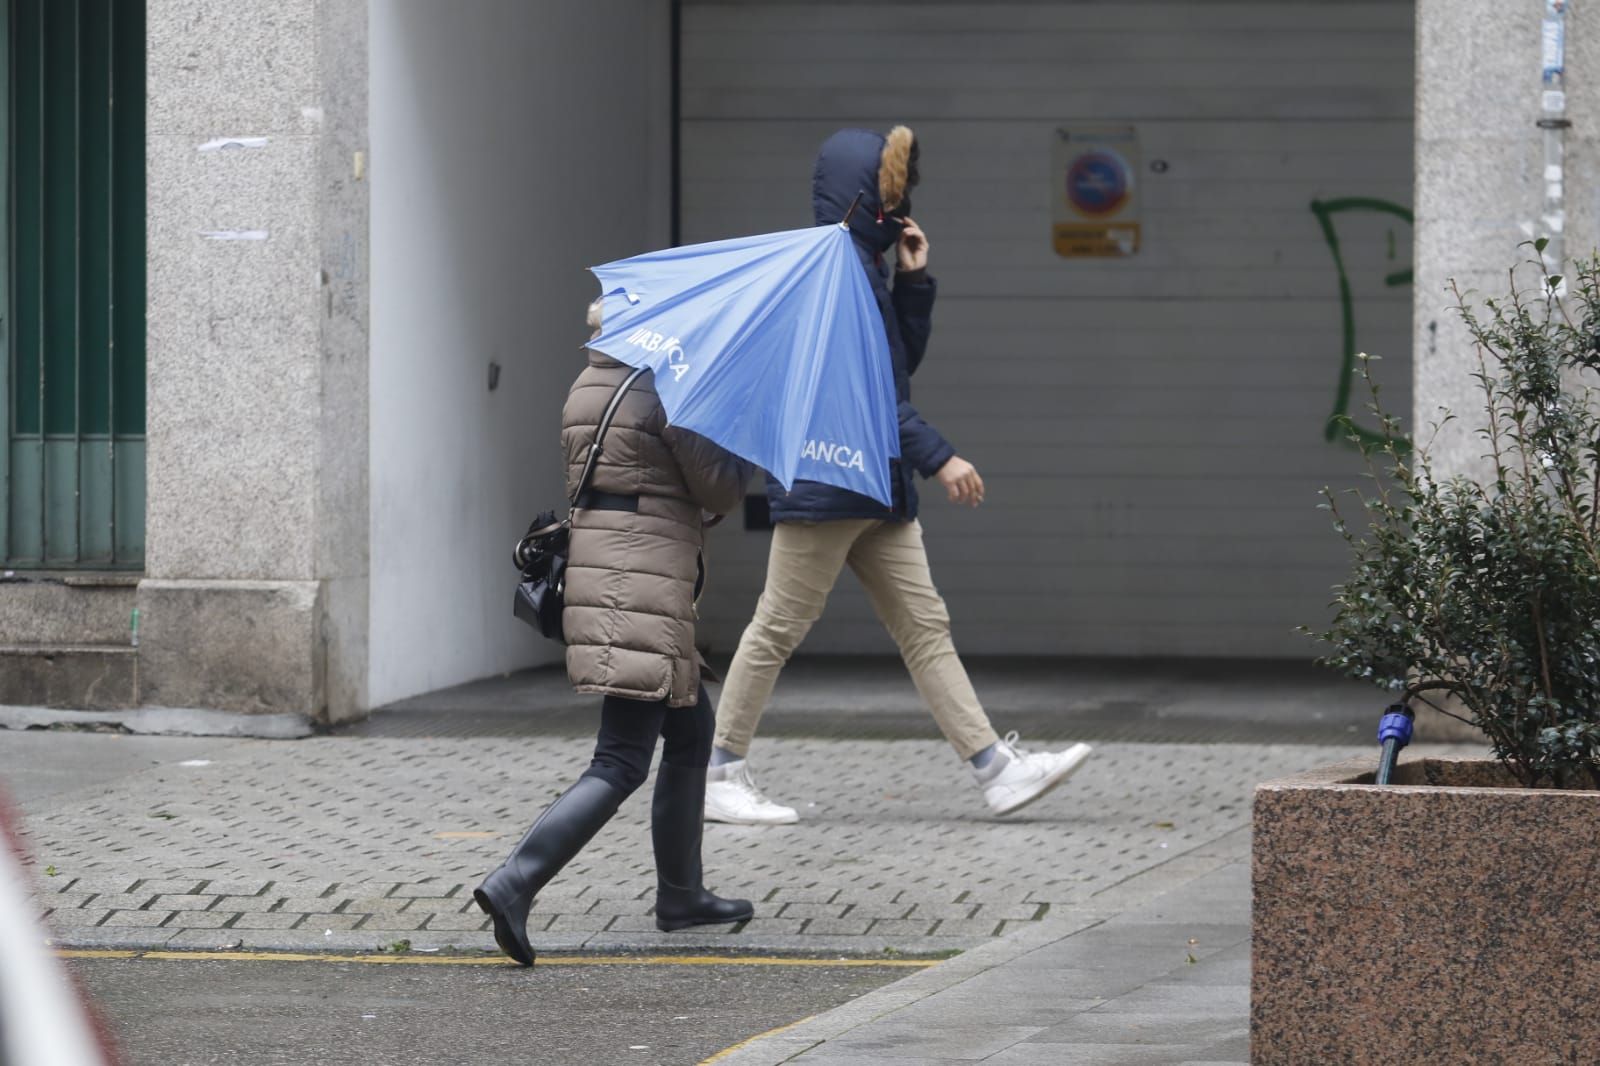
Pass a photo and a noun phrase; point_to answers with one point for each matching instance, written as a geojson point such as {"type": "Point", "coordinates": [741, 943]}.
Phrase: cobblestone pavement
{"type": "Point", "coordinates": [360, 843]}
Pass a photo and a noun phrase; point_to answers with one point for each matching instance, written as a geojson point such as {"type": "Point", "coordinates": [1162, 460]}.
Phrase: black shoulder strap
{"type": "Point", "coordinates": [600, 434]}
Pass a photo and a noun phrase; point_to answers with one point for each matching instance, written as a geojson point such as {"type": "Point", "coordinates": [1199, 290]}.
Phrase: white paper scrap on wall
{"type": "Point", "coordinates": [221, 143]}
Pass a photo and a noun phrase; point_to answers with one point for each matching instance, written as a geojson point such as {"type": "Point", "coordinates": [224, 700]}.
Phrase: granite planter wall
{"type": "Point", "coordinates": [1450, 918]}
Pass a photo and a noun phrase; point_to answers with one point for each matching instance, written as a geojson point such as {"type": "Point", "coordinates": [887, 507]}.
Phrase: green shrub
{"type": "Point", "coordinates": [1489, 591]}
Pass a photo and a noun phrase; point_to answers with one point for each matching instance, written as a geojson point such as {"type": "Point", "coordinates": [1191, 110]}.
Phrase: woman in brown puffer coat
{"type": "Point", "coordinates": [632, 580]}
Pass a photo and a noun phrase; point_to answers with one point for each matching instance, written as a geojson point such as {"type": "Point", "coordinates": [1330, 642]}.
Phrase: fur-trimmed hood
{"type": "Point", "coordinates": [881, 169]}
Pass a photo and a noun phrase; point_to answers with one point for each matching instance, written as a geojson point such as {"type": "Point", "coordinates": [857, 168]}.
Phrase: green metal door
{"type": "Point", "coordinates": [72, 399]}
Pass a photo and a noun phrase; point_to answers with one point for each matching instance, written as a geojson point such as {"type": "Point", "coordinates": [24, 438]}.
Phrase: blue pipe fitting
{"type": "Point", "coordinates": [1396, 725]}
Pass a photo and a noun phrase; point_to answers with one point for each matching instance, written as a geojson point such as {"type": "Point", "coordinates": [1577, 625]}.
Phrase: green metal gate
{"type": "Point", "coordinates": [72, 400]}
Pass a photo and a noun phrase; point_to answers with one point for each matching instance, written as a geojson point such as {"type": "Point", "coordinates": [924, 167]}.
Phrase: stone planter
{"type": "Point", "coordinates": [1451, 918]}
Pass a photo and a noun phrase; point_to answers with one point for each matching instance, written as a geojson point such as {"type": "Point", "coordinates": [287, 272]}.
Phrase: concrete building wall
{"type": "Point", "coordinates": [1151, 429]}
{"type": "Point", "coordinates": [1480, 183]}
{"type": "Point", "coordinates": [513, 145]}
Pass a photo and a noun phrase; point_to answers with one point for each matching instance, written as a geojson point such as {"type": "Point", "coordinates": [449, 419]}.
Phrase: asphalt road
{"type": "Point", "coordinates": [196, 1012]}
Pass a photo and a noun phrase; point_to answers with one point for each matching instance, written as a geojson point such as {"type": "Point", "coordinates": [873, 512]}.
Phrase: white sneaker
{"type": "Point", "coordinates": [732, 797]}
{"type": "Point", "coordinates": [1015, 778]}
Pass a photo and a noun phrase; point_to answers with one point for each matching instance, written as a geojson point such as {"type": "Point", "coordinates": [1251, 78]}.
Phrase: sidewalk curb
{"type": "Point", "coordinates": [784, 1045]}
{"type": "Point", "coordinates": [162, 721]}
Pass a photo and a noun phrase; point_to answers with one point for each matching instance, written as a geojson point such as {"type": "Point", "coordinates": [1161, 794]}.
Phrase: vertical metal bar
{"type": "Point", "coordinates": [44, 194]}
{"type": "Point", "coordinates": [111, 268]}
{"type": "Point", "coordinates": [77, 279]}
{"type": "Point", "coordinates": [7, 208]}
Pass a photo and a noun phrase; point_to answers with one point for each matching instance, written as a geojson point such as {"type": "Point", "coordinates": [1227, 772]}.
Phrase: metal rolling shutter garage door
{"type": "Point", "coordinates": [1152, 428]}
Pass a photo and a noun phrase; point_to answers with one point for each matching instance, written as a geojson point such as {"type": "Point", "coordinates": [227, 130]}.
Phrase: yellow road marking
{"type": "Point", "coordinates": [492, 960]}
{"type": "Point", "coordinates": [725, 1052]}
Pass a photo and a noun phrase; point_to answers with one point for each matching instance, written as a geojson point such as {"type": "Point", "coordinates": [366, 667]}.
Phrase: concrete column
{"type": "Point", "coordinates": [1480, 185]}
{"type": "Point", "coordinates": [255, 591]}
{"type": "Point", "coordinates": [1480, 198]}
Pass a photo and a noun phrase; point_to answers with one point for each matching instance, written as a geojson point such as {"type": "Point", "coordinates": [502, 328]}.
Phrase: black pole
{"type": "Point", "coordinates": [675, 107]}
{"type": "Point", "coordinates": [845, 221]}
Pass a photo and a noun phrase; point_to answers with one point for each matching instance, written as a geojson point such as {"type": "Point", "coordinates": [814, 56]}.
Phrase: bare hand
{"type": "Point", "coordinates": [961, 481]}
{"type": "Point", "coordinates": [913, 250]}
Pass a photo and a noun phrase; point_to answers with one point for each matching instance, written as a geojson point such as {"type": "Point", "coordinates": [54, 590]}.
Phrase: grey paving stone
{"type": "Point", "coordinates": [579, 923]}
{"type": "Point", "coordinates": [305, 904]}
{"type": "Point", "coordinates": [618, 892]}
{"type": "Point", "coordinates": [111, 884]}
{"type": "Point", "coordinates": [248, 903]}
{"type": "Point", "coordinates": [437, 905]}
{"type": "Point", "coordinates": [137, 919]}
{"type": "Point", "coordinates": [206, 939]}
{"type": "Point", "coordinates": [452, 921]}
{"type": "Point", "coordinates": [360, 905]}
{"type": "Point", "coordinates": [393, 923]}
{"type": "Point", "coordinates": [322, 922]}
{"type": "Point", "coordinates": [184, 903]}
{"type": "Point", "coordinates": [944, 911]}
{"type": "Point", "coordinates": [275, 920]}
{"type": "Point", "coordinates": [960, 927]}
{"type": "Point", "coordinates": [837, 926]}
{"type": "Point", "coordinates": [126, 901]}
{"type": "Point", "coordinates": [205, 919]}
{"type": "Point", "coordinates": [759, 927]}
{"type": "Point", "coordinates": [161, 887]}
{"type": "Point", "coordinates": [812, 910]}
{"type": "Point", "coordinates": [236, 887]}
{"type": "Point", "coordinates": [426, 891]}
{"type": "Point", "coordinates": [304, 888]}
{"type": "Point", "coordinates": [1011, 912]}
{"type": "Point", "coordinates": [100, 936]}
{"type": "Point", "coordinates": [78, 917]}
{"type": "Point", "coordinates": [617, 907]}
{"type": "Point", "coordinates": [892, 927]}
{"type": "Point", "coordinates": [806, 894]}
{"type": "Point", "coordinates": [886, 911]}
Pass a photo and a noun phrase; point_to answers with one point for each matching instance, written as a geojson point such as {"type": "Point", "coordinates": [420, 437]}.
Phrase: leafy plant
{"type": "Point", "coordinates": [1487, 591]}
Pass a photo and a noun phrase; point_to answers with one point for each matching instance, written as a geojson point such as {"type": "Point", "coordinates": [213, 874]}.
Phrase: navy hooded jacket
{"type": "Point", "coordinates": [848, 165]}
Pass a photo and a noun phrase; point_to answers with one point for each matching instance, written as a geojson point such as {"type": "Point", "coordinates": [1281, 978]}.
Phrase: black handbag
{"type": "Point", "coordinates": [541, 555]}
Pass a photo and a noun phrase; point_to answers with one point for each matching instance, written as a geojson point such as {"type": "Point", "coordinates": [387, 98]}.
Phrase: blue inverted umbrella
{"type": "Point", "coordinates": [772, 346]}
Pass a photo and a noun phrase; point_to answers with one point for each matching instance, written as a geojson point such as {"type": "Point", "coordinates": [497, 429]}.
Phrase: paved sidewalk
{"type": "Point", "coordinates": [362, 843]}
{"type": "Point", "coordinates": [1154, 972]}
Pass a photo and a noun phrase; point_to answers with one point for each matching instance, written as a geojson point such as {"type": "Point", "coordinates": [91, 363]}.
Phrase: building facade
{"type": "Point", "coordinates": [295, 291]}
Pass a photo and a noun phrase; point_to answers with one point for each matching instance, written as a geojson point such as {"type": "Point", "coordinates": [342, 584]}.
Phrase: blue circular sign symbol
{"type": "Point", "coordinates": [1097, 183]}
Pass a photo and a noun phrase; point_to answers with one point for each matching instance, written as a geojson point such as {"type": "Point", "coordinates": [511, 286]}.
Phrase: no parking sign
{"type": "Point", "coordinates": [1095, 201]}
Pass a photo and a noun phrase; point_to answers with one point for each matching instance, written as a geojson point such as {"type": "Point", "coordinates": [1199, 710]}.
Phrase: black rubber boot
{"type": "Point", "coordinates": [677, 819]}
{"type": "Point", "coordinates": [569, 823]}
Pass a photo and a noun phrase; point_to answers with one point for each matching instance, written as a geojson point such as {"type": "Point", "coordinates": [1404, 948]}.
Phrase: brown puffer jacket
{"type": "Point", "coordinates": [630, 612]}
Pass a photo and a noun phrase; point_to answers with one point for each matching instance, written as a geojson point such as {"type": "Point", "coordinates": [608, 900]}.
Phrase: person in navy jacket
{"type": "Point", "coordinates": [819, 529]}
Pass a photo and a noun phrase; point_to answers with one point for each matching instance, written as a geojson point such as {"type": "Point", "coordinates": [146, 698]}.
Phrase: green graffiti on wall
{"type": "Point", "coordinates": [1341, 425]}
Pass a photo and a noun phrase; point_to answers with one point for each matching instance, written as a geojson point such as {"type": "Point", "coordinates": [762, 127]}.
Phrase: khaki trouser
{"type": "Point", "coordinates": [890, 561]}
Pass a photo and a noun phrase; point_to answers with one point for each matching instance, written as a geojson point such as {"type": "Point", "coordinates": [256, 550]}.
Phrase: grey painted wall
{"type": "Point", "coordinates": [1151, 430]}
{"type": "Point", "coordinates": [513, 145]}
